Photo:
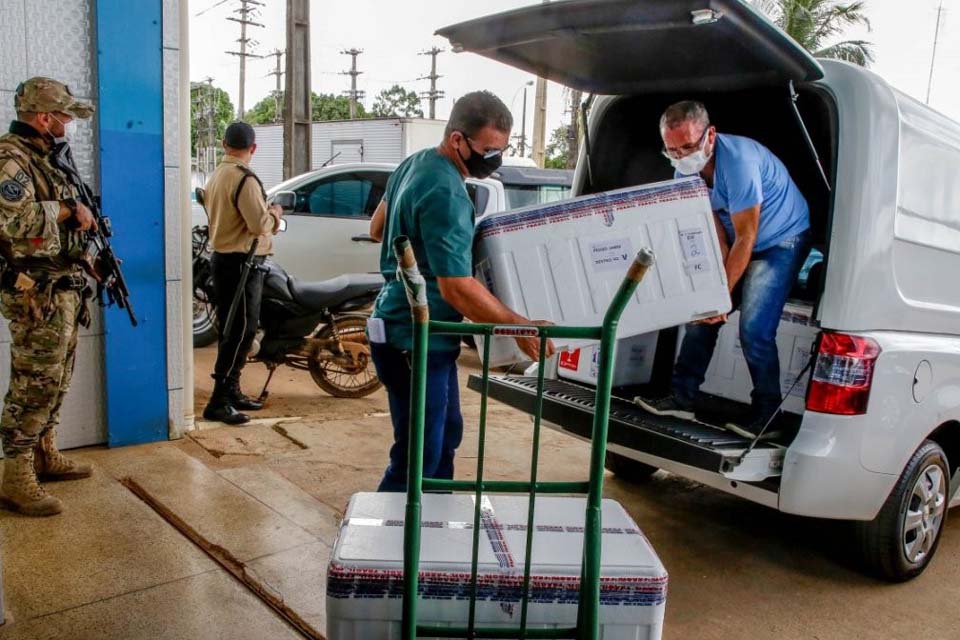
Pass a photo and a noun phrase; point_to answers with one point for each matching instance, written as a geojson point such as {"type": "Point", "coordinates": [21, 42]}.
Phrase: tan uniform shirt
{"type": "Point", "coordinates": [233, 231]}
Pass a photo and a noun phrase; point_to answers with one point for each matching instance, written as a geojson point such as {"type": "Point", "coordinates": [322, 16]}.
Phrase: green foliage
{"type": "Point", "coordinates": [265, 111]}
{"type": "Point", "coordinates": [203, 96]}
{"type": "Point", "coordinates": [555, 155]}
{"type": "Point", "coordinates": [324, 106]}
{"type": "Point", "coordinates": [397, 102]}
{"type": "Point", "coordinates": [816, 24]}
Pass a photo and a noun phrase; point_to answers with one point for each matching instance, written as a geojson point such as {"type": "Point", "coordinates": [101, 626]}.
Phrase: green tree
{"type": "Point", "coordinates": [816, 25]}
{"type": "Point", "coordinates": [558, 148]}
{"type": "Point", "coordinates": [210, 107]}
{"type": "Point", "coordinates": [265, 111]}
{"type": "Point", "coordinates": [324, 106]}
{"type": "Point", "coordinates": [327, 106]}
{"type": "Point", "coordinates": [397, 102]}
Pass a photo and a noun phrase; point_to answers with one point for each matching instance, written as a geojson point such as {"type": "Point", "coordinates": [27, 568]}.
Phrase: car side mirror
{"type": "Point", "coordinates": [199, 193]}
{"type": "Point", "coordinates": [283, 224]}
{"type": "Point", "coordinates": [287, 200]}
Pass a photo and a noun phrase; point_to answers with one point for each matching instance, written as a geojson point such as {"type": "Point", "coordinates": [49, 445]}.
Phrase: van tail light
{"type": "Point", "coordinates": [842, 375]}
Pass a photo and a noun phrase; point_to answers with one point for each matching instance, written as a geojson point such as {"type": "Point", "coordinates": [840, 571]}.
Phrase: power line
{"type": "Point", "coordinates": [210, 8]}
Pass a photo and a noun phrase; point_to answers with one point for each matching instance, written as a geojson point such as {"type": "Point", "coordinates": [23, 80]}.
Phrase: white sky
{"type": "Point", "coordinates": [392, 32]}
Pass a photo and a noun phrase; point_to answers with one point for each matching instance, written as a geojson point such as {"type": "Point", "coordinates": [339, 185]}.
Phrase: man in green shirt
{"type": "Point", "coordinates": [426, 200]}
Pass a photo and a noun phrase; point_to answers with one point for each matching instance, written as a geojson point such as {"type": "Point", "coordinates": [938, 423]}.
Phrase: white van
{"type": "Point", "coordinates": [877, 439]}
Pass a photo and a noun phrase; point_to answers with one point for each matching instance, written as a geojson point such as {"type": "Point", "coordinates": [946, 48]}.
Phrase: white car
{"type": "Point", "coordinates": [327, 231]}
{"type": "Point", "coordinates": [876, 437]}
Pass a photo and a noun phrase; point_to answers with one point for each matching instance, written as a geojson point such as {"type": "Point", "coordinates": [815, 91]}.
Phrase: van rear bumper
{"type": "Point", "coordinates": [822, 473]}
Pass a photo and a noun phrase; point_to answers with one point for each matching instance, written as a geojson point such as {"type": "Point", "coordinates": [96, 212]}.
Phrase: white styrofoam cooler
{"type": "Point", "coordinates": [728, 376]}
{"type": "Point", "coordinates": [633, 364]}
{"type": "Point", "coordinates": [564, 261]}
{"type": "Point", "coordinates": [365, 575]}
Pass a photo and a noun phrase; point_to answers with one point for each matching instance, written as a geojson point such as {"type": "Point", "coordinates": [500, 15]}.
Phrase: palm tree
{"type": "Point", "coordinates": [814, 23]}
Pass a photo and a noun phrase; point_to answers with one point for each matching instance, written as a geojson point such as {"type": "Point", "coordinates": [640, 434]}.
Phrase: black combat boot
{"type": "Point", "coordinates": [221, 407]}
{"type": "Point", "coordinates": [239, 400]}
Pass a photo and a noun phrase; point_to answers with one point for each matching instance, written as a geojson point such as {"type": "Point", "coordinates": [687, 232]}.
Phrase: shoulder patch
{"type": "Point", "coordinates": [22, 178]}
{"type": "Point", "coordinates": [11, 191]}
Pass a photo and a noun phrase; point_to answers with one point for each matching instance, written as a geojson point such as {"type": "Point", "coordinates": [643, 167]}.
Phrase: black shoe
{"type": "Point", "coordinates": [224, 412]}
{"type": "Point", "coordinates": [240, 401]}
{"type": "Point", "coordinates": [669, 406]}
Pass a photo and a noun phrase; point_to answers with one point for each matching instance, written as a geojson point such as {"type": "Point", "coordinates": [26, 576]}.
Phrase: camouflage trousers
{"type": "Point", "coordinates": [42, 355]}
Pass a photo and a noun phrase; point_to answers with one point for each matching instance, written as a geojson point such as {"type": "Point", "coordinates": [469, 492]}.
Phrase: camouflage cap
{"type": "Point", "coordinates": [46, 95]}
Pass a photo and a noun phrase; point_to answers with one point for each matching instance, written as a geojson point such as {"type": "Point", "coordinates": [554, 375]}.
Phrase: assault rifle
{"type": "Point", "coordinates": [98, 259]}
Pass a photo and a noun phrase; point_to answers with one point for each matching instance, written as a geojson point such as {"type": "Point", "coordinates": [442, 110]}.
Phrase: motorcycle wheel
{"type": "Point", "coordinates": [204, 320]}
{"type": "Point", "coordinates": [334, 378]}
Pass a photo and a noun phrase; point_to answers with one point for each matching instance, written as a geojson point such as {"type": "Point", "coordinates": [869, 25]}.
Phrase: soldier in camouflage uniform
{"type": "Point", "coordinates": [43, 293]}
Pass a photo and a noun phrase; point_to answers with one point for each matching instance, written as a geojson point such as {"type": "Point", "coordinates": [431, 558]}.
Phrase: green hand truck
{"type": "Point", "coordinates": [588, 613]}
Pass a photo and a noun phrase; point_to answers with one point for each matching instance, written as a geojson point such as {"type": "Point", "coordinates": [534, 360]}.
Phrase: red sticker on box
{"type": "Point", "coordinates": [570, 360]}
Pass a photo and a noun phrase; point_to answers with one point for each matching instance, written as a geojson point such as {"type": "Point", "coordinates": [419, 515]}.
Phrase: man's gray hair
{"type": "Point", "coordinates": [477, 110]}
{"type": "Point", "coordinates": [685, 111]}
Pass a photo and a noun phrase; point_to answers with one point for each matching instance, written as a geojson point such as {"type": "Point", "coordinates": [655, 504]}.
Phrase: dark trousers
{"type": "Point", "coordinates": [443, 424]}
{"type": "Point", "coordinates": [235, 341]}
{"type": "Point", "coordinates": [760, 296]}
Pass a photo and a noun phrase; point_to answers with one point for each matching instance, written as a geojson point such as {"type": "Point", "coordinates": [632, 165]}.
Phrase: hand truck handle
{"type": "Point", "coordinates": [413, 282]}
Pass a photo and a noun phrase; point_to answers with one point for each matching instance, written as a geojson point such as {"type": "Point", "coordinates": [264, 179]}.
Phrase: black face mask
{"type": "Point", "coordinates": [480, 165]}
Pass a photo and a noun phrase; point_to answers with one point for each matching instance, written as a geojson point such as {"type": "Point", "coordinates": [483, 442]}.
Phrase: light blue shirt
{"type": "Point", "coordinates": [747, 174]}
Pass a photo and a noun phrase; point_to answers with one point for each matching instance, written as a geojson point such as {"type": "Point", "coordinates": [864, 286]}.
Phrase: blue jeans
{"type": "Point", "coordinates": [760, 296]}
{"type": "Point", "coordinates": [443, 424]}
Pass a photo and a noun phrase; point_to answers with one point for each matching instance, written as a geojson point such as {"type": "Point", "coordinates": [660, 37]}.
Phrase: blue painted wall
{"type": "Point", "coordinates": [130, 112]}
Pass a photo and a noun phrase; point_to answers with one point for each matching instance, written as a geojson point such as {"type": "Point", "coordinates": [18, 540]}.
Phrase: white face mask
{"type": "Point", "coordinates": [693, 163]}
{"type": "Point", "coordinates": [69, 130]}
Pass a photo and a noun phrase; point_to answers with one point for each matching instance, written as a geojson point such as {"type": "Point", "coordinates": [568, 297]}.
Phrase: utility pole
{"type": "Point", "coordinates": [433, 95]}
{"type": "Point", "coordinates": [278, 72]}
{"type": "Point", "coordinates": [573, 131]}
{"type": "Point", "coordinates": [523, 126]}
{"type": "Point", "coordinates": [353, 94]}
{"type": "Point", "coordinates": [248, 9]}
{"type": "Point", "coordinates": [933, 59]}
{"type": "Point", "coordinates": [297, 108]}
{"type": "Point", "coordinates": [540, 119]}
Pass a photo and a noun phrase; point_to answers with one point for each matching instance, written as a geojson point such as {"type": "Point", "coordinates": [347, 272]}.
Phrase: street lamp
{"type": "Point", "coordinates": [523, 116]}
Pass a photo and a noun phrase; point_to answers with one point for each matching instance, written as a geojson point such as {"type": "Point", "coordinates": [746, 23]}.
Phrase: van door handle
{"type": "Point", "coordinates": [363, 238]}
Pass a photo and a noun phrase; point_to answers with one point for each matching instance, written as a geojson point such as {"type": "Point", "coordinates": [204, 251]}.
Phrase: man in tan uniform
{"type": "Point", "coordinates": [239, 213]}
{"type": "Point", "coordinates": [42, 291]}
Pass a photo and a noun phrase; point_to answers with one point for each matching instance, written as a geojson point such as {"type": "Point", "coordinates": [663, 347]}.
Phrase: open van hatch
{"type": "Point", "coordinates": [571, 407]}
{"type": "Point", "coordinates": [616, 47]}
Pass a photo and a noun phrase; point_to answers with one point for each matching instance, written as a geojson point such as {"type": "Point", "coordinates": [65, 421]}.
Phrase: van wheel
{"type": "Point", "coordinates": [900, 542]}
{"type": "Point", "coordinates": [629, 469]}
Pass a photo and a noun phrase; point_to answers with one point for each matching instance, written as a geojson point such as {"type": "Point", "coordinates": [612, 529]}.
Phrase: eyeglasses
{"type": "Point", "coordinates": [488, 154]}
{"type": "Point", "coordinates": [687, 149]}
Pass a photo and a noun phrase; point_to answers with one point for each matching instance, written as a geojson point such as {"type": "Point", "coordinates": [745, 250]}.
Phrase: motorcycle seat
{"type": "Point", "coordinates": [329, 294]}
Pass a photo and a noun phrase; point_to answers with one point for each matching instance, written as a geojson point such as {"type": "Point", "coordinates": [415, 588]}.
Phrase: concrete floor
{"type": "Point", "coordinates": [271, 494]}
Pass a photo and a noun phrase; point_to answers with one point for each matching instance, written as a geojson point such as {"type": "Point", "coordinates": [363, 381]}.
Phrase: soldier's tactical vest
{"type": "Point", "coordinates": [56, 254]}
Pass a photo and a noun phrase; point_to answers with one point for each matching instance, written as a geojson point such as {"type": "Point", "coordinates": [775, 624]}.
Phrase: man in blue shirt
{"type": "Point", "coordinates": [426, 200]}
{"type": "Point", "coordinates": [763, 224]}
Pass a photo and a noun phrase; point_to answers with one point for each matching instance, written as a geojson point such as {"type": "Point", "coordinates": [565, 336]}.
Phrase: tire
{"type": "Point", "coordinates": [629, 469]}
{"type": "Point", "coordinates": [892, 549]}
{"type": "Point", "coordinates": [204, 321]}
{"type": "Point", "coordinates": [334, 378]}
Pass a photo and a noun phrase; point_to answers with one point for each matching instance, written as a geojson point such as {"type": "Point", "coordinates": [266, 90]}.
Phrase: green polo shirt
{"type": "Point", "coordinates": [427, 201]}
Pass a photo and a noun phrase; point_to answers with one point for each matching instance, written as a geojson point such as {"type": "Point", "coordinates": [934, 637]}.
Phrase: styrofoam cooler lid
{"type": "Point", "coordinates": [368, 555]}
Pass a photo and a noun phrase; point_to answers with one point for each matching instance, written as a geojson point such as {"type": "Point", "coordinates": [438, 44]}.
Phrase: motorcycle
{"type": "Point", "coordinates": [318, 327]}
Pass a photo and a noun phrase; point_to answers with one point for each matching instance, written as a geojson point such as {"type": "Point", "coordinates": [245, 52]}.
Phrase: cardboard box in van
{"type": "Point", "coordinates": [563, 262]}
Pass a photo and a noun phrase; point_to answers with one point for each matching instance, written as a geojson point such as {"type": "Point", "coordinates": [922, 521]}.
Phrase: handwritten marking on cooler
{"type": "Point", "coordinates": [613, 254]}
